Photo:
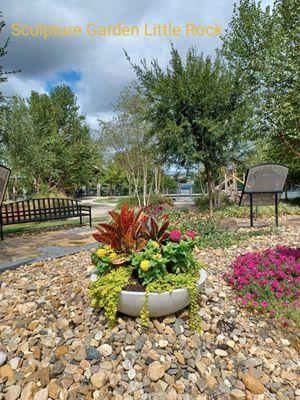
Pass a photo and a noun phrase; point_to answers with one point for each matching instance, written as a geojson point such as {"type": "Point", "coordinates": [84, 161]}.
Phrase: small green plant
{"type": "Point", "coordinates": [104, 293]}
{"type": "Point", "coordinates": [105, 259]}
{"type": "Point", "coordinates": [180, 256]}
{"type": "Point", "coordinates": [170, 282]}
{"type": "Point", "coordinates": [150, 263]}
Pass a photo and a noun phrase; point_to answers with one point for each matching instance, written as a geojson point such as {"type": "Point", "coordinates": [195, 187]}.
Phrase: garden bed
{"type": "Point", "coordinates": [46, 315]}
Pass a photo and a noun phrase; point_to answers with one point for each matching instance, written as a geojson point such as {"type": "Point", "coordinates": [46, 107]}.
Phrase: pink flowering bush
{"type": "Point", "coordinates": [269, 280]}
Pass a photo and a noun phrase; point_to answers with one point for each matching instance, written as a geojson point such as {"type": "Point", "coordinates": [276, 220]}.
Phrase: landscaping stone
{"type": "Point", "coordinates": [13, 393]}
{"type": "Point", "coordinates": [105, 350]}
{"type": "Point", "coordinates": [156, 371]}
{"type": "Point", "coordinates": [253, 384]}
{"type": "Point", "coordinates": [55, 344]}
{"type": "Point", "coordinates": [3, 358]}
{"type": "Point", "coordinates": [99, 379]}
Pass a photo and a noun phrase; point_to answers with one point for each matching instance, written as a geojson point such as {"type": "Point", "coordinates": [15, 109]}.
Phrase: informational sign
{"type": "Point", "coordinates": [4, 177]}
{"type": "Point", "coordinates": [263, 181]}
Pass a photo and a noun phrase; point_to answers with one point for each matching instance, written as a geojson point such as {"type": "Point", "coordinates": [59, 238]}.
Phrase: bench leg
{"type": "Point", "coordinates": [80, 219]}
{"type": "Point", "coordinates": [90, 217]}
{"type": "Point", "coordinates": [251, 209]}
{"type": "Point", "coordinates": [276, 209]}
{"type": "Point", "coordinates": [1, 231]}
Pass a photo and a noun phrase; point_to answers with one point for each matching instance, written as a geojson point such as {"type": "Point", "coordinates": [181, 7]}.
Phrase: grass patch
{"type": "Point", "coordinates": [48, 225]}
{"type": "Point", "coordinates": [154, 200]}
{"type": "Point", "coordinates": [230, 210]}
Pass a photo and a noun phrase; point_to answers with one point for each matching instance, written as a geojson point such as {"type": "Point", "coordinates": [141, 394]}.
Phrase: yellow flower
{"type": "Point", "coordinates": [145, 265]}
{"type": "Point", "coordinates": [155, 244]}
{"type": "Point", "coordinates": [108, 247]}
{"type": "Point", "coordinates": [101, 252]}
{"type": "Point", "coordinates": [158, 256]}
{"type": "Point", "coordinates": [113, 256]}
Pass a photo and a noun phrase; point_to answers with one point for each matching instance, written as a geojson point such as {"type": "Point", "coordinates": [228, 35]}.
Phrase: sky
{"type": "Point", "coordinates": [95, 67]}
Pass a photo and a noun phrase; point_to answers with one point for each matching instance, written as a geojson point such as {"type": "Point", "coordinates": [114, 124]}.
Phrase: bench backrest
{"type": "Point", "coordinates": [263, 181]}
{"type": "Point", "coordinates": [38, 210]}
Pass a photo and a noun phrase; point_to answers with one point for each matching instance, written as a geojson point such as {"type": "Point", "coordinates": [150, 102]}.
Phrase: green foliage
{"type": "Point", "coordinates": [126, 139]}
{"type": "Point", "coordinates": [3, 52]}
{"type": "Point", "coordinates": [105, 259]}
{"type": "Point", "coordinates": [196, 109]}
{"type": "Point", "coordinates": [230, 210]}
{"type": "Point", "coordinates": [104, 293]}
{"type": "Point", "coordinates": [180, 256]}
{"type": "Point", "coordinates": [202, 202]}
{"type": "Point", "coordinates": [262, 46]}
{"type": "Point", "coordinates": [158, 263]}
{"type": "Point", "coordinates": [234, 211]}
{"type": "Point", "coordinates": [211, 234]}
{"type": "Point", "coordinates": [47, 141]}
{"type": "Point", "coordinates": [170, 282]}
{"type": "Point", "coordinates": [170, 184]}
{"type": "Point", "coordinates": [152, 200]}
{"type": "Point", "coordinates": [149, 263]}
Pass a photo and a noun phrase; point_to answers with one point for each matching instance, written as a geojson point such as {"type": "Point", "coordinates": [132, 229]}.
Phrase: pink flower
{"type": "Point", "coordinates": [175, 235]}
{"type": "Point", "coordinates": [191, 234]}
{"type": "Point", "coordinates": [264, 304]}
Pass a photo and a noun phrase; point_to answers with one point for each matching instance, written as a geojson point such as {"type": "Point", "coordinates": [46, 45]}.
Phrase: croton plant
{"type": "Point", "coordinates": [137, 249]}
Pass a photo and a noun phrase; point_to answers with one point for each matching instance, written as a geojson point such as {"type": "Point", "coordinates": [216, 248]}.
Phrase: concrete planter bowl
{"type": "Point", "coordinates": [159, 304]}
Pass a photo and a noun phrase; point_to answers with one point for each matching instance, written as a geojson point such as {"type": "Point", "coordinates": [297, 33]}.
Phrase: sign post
{"type": "Point", "coordinates": [264, 186]}
{"type": "Point", "coordinates": [4, 177]}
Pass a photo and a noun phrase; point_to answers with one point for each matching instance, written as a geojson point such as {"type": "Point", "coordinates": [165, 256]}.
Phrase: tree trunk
{"type": "Point", "coordinates": [145, 181]}
{"type": "Point", "coordinates": [210, 191]}
{"type": "Point", "coordinates": [128, 175]}
{"type": "Point", "coordinates": [159, 181]}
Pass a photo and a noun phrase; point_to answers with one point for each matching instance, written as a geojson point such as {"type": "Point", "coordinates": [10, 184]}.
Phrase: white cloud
{"type": "Point", "coordinates": [20, 86]}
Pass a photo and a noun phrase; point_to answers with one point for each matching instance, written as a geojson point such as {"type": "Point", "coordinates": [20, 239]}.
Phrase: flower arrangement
{"type": "Point", "coordinates": [138, 251]}
{"type": "Point", "coordinates": [268, 281]}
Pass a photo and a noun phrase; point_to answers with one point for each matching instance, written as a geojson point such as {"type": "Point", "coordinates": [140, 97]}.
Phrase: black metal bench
{"type": "Point", "coordinates": [44, 209]}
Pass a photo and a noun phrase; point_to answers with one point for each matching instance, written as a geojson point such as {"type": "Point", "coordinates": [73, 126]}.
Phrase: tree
{"type": "Point", "coordinates": [263, 46]}
{"type": "Point", "coordinates": [127, 140]}
{"type": "Point", "coordinates": [195, 109]}
{"type": "Point", "coordinates": [47, 141]}
{"type": "Point", "coordinates": [3, 79]}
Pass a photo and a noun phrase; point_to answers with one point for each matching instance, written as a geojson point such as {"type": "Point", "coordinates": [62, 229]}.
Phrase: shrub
{"type": "Point", "coordinates": [180, 255]}
{"type": "Point", "coordinates": [234, 211]}
{"type": "Point", "coordinates": [125, 233]}
{"type": "Point", "coordinates": [268, 281]}
{"type": "Point", "coordinates": [154, 200]}
{"type": "Point", "coordinates": [209, 231]}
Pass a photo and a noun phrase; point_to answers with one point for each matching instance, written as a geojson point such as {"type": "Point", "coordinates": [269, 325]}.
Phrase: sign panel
{"type": "Point", "coordinates": [4, 177]}
{"type": "Point", "coordinates": [264, 178]}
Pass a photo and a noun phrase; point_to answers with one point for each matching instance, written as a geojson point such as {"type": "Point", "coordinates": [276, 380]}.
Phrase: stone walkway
{"type": "Point", "coordinates": [28, 248]}
{"type": "Point", "coordinates": [17, 250]}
